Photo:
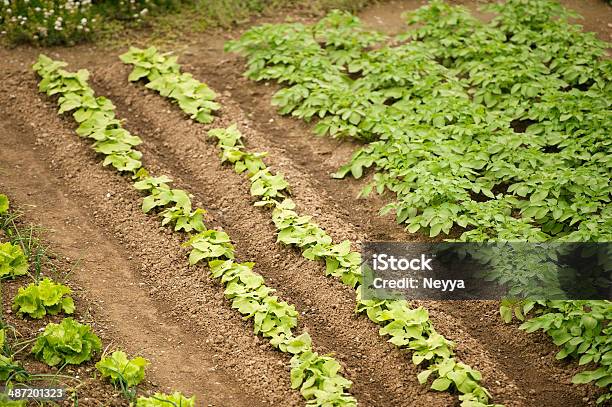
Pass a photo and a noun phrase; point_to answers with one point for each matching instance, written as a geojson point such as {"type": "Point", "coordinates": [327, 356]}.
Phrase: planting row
{"type": "Point", "coordinates": [408, 328]}
{"type": "Point", "coordinates": [316, 376]}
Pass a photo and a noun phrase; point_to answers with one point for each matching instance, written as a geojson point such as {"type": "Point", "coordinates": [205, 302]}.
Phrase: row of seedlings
{"type": "Point", "coordinates": [317, 376]}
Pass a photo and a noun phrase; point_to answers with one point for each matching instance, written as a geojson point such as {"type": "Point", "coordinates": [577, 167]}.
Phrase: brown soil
{"type": "Point", "coordinates": [127, 268]}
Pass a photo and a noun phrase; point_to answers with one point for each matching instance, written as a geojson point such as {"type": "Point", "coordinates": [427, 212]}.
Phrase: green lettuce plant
{"type": "Point", "coordinates": [121, 370]}
{"type": "Point", "coordinates": [46, 297]}
{"type": "Point", "coordinates": [68, 342]}
{"type": "Point", "coordinates": [13, 262]}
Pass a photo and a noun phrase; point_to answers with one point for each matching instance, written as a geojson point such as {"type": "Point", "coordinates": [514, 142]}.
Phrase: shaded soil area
{"type": "Point", "coordinates": [132, 276]}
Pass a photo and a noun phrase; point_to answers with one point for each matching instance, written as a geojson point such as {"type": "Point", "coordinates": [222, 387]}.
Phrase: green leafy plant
{"type": "Point", "coordinates": [6, 402]}
{"type": "Point", "coordinates": [163, 75]}
{"type": "Point", "coordinates": [68, 342]}
{"type": "Point", "coordinates": [122, 371]}
{"type": "Point", "coordinates": [440, 150]}
{"type": "Point", "coordinates": [580, 328]}
{"type": "Point", "coordinates": [46, 297]}
{"type": "Point", "coordinates": [95, 115]}
{"type": "Point", "coordinates": [13, 262]}
{"type": "Point", "coordinates": [210, 244]}
{"type": "Point", "coordinates": [317, 378]}
{"type": "Point", "coordinates": [267, 187]}
{"type": "Point", "coordinates": [175, 399]}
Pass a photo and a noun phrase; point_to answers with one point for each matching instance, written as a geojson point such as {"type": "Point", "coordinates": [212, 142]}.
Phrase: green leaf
{"type": "Point", "coordinates": [424, 375]}
{"type": "Point", "coordinates": [4, 204]}
{"type": "Point", "coordinates": [506, 313]}
{"type": "Point", "coordinates": [441, 384]}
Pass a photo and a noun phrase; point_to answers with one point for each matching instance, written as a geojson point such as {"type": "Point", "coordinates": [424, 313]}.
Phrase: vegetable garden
{"type": "Point", "coordinates": [457, 128]}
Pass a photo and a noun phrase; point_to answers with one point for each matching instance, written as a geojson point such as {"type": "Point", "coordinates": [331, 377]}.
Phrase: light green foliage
{"type": "Point", "coordinates": [251, 297]}
{"type": "Point", "coordinates": [176, 202]}
{"type": "Point", "coordinates": [208, 245]}
{"type": "Point", "coordinates": [95, 115]}
{"type": "Point", "coordinates": [9, 369]}
{"type": "Point", "coordinates": [163, 75]}
{"type": "Point", "coordinates": [175, 399]}
{"type": "Point", "coordinates": [184, 220]}
{"type": "Point", "coordinates": [318, 379]}
{"type": "Point", "coordinates": [13, 262]}
{"type": "Point", "coordinates": [4, 204]}
{"type": "Point", "coordinates": [68, 342]}
{"type": "Point", "coordinates": [46, 297]}
{"type": "Point", "coordinates": [232, 151]}
{"type": "Point", "coordinates": [6, 402]}
{"type": "Point", "coordinates": [269, 188]}
{"type": "Point", "coordinates": [120, 369]}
